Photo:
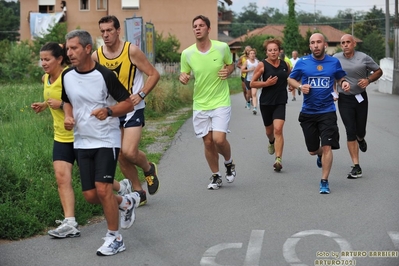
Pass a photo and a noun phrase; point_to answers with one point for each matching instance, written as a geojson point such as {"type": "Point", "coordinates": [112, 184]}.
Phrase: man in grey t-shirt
{"type": "Point", "coordinates": [353, 104]}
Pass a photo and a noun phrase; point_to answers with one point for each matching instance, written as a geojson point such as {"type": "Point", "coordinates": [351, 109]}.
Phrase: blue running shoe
{"type": "Point", "coordinates": [324, 187]}
{"type": "Point", "coordinates": [318, 162]}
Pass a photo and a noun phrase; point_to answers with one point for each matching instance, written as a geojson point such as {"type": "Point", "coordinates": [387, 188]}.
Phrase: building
{"type": "Point", "coordinates": [168, 17]}
{"type": "Point", "coordinates": [333, 35]}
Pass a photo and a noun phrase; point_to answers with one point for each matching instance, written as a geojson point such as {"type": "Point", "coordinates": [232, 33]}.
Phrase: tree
{"type": "Point", "coordinates": [292, 38]}
{"type": "Point", "coordinates": [251, 14]}
{"type": "Point", "coordinates": [9, 20]}
{"type": "Point", "coordinates": [247, 20]}
{"type": "Point", "coordinates": [370, 30]}
{"type": "Point", "coordinates": [256, 42]}
{"type": "Point", "coordinates": [21, 60]}
{"type": "Point", "coordinates": [274, 15]}
{"type": "Point", "coordinates": [166, 49]}
{"type": "Point", "coordinates": [55, 34]}
{"type": "Point", "coordinates": [373, 45]}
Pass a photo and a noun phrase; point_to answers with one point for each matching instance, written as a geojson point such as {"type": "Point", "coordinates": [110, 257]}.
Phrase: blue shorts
{"type": "Point", "coordinates": [133, 119]}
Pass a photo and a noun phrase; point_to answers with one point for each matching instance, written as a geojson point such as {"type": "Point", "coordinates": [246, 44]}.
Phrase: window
{"type": "Point", "coordinates": [46, 9]}
{"type": "Point", "coordinates": [130, 4]}
{"type": "Point", "coordinates": [84, 4]}
{"type": "Point", "coordinates": [101, 4]}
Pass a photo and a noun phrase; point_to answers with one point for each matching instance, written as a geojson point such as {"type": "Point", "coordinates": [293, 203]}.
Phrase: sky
{"type": "Point", "coordinates": [328, 8]}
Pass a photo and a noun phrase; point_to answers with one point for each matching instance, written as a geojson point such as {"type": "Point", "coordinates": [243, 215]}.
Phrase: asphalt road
{"type": "Point", "coordinates": [264, 217]}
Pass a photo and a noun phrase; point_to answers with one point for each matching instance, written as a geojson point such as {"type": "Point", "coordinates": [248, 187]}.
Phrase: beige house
{"type": "Point", "coordinates": [168, 16]}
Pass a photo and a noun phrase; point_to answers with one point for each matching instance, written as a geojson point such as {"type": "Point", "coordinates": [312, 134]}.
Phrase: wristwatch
{"type": "Point", "coordinates": [109, 111]}
{"type": "Point", "coordinates": [142, 94]}
{"type": "Point", "coordinates": [299, 87]}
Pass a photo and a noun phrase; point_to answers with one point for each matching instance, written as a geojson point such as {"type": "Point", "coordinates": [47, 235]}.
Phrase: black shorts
{"type": "Point", "coordinates": [320, 128]}
{"type": "Point", "coordinates": [271, 112]}
{"type": "Point", "coordinates": [97, 165]}
{"type": "Point", "coordinates": [63, 151]}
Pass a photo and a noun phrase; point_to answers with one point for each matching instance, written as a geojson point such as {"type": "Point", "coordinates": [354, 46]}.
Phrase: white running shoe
{"type": "Point", "coordinates": [127, 213]}
{"type": "Point", "coordinates": [111, 246]}
{"type": "Point", "coordinates": [126, 187]}
{"type": "Point", "coordinates": [216, 182]}
{"type": "Point", "coordinates": [66, 229]}
{"type": "Point", "coordinates": [230, 172]}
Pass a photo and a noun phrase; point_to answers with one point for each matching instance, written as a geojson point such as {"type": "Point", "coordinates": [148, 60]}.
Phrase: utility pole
{"type": "Point", "coordinates": [395, 82]}
{"type": "Point", "coordinates": [387, 50]}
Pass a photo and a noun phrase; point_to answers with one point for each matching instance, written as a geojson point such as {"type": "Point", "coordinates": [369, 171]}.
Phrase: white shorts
{"type": "Point", "coordinates": [211, 120]}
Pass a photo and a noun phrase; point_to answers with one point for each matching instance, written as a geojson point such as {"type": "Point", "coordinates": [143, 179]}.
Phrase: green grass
{"type": "Point", "coordinates": [29, 201]}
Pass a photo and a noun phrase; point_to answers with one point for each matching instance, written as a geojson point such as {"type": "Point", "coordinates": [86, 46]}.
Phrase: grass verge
{"type": "Point", "coordinates": [29, 201]}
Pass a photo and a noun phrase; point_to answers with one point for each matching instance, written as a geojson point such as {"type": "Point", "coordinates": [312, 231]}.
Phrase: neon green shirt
{"type": "Point", "coordinates": [210, 92]}
{"type": "Point", "coordinates": [288, 61]}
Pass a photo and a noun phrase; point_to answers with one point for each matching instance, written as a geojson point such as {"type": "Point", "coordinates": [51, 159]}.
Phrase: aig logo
{"type": "Point", "coordinates": [319, 82]}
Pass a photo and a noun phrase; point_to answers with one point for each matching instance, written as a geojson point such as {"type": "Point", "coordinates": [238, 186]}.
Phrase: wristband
{"type": "Point", "coordinates": [368, 79]}
{"type": "Point", "coordinates": [343, 81]}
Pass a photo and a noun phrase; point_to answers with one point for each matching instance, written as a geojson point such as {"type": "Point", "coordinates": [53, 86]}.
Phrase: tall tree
{"type": "Point", "coordinates": [250, 13]}
{"type": "Point", "coordinates": [274, 15]}
{"type": "Point", "coordinates": [373, 45]}
{"type": "Point", "coordinates": [247, 20]}
{"type": "Point", "coordinates": [292, 38]}
{"type": "Point", "coordinates": [9, 20]}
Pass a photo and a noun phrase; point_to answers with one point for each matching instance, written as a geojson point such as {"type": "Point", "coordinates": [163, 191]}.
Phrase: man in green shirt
{"type": "Point", "coordinates": [211, 63]}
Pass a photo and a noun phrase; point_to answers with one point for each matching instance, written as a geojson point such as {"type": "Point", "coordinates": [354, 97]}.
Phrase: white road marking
{"type": "Point", "coordinates": [289, 245]}
{"type": "Point", "coordinates": [254, 248]}
{"type": "Point", "coordinates": [395, 238]}
{"type": "Point", "coordinates": [209, 258]}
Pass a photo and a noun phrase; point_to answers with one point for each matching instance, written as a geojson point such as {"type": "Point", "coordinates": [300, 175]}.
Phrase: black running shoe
{"type": "Point", "coordinates": [355, 173]}
{"type": "Point", "coordinates": [143, 197]}
{"type": "Point", "coordinates": [362, 145]}
{"type": "Point", "coordinates": [152, 179]}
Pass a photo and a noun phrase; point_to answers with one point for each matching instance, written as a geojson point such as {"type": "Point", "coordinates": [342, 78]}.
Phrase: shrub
{"type": "Point", "coordinates": [19, 63]}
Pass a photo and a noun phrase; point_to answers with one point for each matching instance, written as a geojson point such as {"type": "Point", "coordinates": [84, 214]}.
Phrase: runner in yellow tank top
{"type": "Point", "coordinates": [129, 63]}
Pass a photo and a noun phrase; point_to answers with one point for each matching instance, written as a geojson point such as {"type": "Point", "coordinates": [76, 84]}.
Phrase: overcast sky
{"type": "Point", "coordinates": [327, 7]}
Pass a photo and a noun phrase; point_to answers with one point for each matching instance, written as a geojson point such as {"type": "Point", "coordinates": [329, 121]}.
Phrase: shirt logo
{"type": "Point", "coordinates": [320, 67]}
{"type": "Point", "coordinates": [319, 82]}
